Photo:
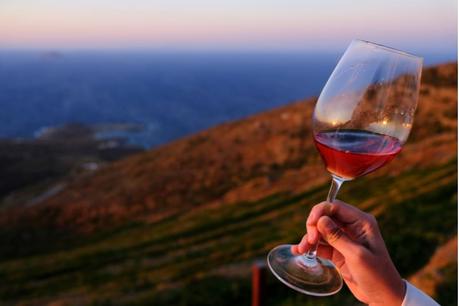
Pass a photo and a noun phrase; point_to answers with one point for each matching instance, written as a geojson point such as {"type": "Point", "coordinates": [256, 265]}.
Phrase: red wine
{"type": "Point", "coordinates": [353, 153]}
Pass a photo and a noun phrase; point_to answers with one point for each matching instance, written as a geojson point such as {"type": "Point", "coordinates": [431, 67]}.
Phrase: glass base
{"type": "Point", "coordinates": [309, 276]}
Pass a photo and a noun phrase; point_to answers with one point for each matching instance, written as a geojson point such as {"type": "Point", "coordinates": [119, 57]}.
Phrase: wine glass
{"type": "Point", "coordinates": [360, 122]}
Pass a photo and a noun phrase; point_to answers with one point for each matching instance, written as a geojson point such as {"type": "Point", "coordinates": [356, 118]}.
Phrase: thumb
{"type": "Point", "coordinates": [336, 237]}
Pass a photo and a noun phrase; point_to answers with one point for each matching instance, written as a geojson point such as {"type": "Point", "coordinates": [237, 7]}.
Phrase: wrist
{"type": "Point", "coordinates": [398, 293]}
{"type": "Point", "coordinates": [393, 295]}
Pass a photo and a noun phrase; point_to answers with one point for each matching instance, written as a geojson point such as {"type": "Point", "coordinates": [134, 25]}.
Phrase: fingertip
{"type": "Point", "coordinates": [303, 244]}
{"type": "Point", "coordinates": [303, 247]}
{"type": "Point", "coordinates": [294, 250]}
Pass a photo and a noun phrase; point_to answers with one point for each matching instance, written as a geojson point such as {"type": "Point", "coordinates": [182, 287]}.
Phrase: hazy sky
{"type": "Point", "coordinates": [412, 25]}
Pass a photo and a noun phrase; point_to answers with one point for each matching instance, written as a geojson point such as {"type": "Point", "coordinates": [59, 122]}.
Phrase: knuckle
{"type": "Point", "coordinates": [329, 208]}
{"type": "Point", "coordinates": [371, 220]}
{"type": "Point", "coordinates": [316, 207]}
{"type": "Point", "coordinates": [321, 205]}
{"type": "Point", "coordinates": [311, 220]}
{"type": "Point", "coordinates": [340, 204]}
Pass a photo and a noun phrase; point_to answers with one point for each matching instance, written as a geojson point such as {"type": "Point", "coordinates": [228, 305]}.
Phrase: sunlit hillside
{"type": "Point", "coordinates": [182, 224]}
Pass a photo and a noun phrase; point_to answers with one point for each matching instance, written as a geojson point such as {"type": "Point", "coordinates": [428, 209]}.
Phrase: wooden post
{"type": "Point", "coordinates": [258, 283]}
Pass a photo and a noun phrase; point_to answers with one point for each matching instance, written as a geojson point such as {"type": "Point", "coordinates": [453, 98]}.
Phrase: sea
{"type": "Point", "coordinates": [151, 98]}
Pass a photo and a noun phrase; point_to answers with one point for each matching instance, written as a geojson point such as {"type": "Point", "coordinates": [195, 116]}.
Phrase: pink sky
{"type": "Point", "coordinates": [240, 25]}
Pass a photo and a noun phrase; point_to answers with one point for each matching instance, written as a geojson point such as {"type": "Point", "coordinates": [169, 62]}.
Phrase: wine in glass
{"type": "Point", "coordinates": [361, 120]}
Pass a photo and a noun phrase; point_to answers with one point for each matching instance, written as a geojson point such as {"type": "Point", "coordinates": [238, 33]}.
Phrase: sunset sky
{"type": "Point", "coordinates": [421, 25]}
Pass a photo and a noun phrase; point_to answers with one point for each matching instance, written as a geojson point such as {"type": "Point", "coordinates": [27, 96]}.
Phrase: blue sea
{"type": "Point", "coordinates": [169, 95]}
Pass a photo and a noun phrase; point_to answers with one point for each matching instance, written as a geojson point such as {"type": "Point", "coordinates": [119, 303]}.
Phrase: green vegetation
{"type": "Point", "coordinates": [203, 257]}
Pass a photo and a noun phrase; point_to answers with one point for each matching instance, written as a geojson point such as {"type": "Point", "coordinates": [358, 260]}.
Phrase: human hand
{"type": "Point", "coordinates": [355, 245]}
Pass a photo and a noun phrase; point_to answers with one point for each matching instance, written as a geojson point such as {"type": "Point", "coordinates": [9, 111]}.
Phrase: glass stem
{"type": "Point", "coordinates": [334, 188]}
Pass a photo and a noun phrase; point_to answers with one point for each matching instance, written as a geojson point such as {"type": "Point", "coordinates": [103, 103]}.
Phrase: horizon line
{"type": "Point", "coordinates": [326, 50]}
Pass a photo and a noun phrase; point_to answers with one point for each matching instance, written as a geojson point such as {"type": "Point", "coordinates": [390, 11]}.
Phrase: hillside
{"type": "Point", "coordinates": [32, 169]}
{"type": "Point", "coordinates": [199, 210]}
